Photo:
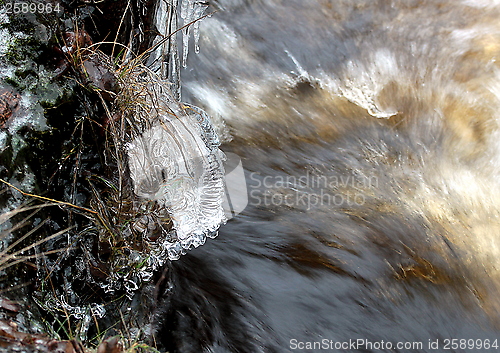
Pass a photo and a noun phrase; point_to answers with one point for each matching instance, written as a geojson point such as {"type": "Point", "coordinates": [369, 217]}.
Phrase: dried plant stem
{"type": "Point", "coordinates": [49, 199]}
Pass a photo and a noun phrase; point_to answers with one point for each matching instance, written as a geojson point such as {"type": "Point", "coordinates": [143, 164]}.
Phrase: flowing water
{"type": "Point", "coordinates": [368, 132]}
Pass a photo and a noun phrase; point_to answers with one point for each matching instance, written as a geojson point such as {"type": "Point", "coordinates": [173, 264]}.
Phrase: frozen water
{"type": "Point", "coordinates": [191, 10]}
{"type": "Point", "coordinates": [176, 163]}
{"type": "Point", "coordinates": [165, 59]}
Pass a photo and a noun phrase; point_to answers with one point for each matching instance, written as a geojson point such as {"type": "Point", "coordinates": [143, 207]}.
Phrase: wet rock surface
{"type": "Point", "coordinates": [81, 253]}
{"type": "Point", "coordinates": [55, 269]}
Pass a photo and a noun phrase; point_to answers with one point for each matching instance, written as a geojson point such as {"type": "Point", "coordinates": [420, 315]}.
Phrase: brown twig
{"type": "Point", "coordinates": [49, 199]}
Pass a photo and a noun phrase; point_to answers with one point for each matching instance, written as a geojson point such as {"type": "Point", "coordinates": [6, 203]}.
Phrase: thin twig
{"type": "Point", "coordinates": [119, 27]}
{"type": "Point", "coordinates": [25, 258]}
{"type": "Point", "coordinates": [49, 199]}
{"type": "Point", "coordinates": [31, 246]}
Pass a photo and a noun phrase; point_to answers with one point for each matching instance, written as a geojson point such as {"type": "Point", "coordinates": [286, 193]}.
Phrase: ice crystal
{"type": "Point", "coordinates": [191, 11]}
{"type": "Point", "coordinates": [176, 163]}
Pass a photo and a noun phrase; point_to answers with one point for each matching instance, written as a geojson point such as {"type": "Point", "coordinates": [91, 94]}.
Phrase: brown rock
{"type": "Point", "coordinates": [110, 345]}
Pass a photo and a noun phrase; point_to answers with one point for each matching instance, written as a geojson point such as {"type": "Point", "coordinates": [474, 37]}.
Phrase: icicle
{"type": "Point", "coordinates": [170, 47]}
{"type": "Point", "coordinates": [174, 74]}
{"type": "Point", "coordinates": [165, 60]}
{"type": "Point", "coordinates": [191, 10]}
{"type": "Point", "coordinates": [199, 11]}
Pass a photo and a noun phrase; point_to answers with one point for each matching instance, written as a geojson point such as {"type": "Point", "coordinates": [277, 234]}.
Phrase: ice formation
{"type": "Point", "coordinates": [176, 163]}
{"type": "Point", "coordinates": [191, 10]}
{"type": "Point", "coordinates": [165, 60]}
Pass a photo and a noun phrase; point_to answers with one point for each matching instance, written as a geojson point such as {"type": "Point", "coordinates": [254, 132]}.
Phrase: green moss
{"type": "Point", "coordinates": [11, 82]}
{"type": "Point", "coordinates": [66, 96]}
{"type": "Point", "coordinates": [23, 49]}
{"type": "Point", "coordinates": [21, 23]}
